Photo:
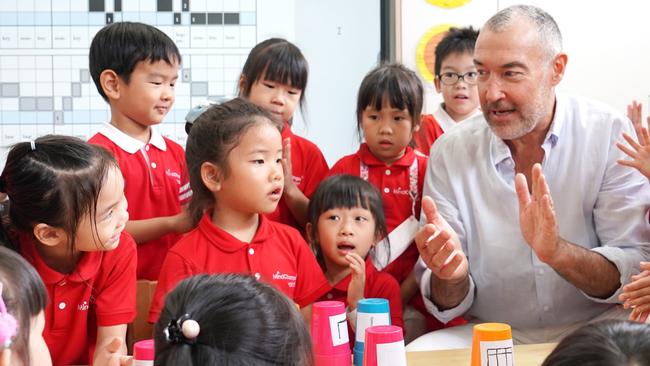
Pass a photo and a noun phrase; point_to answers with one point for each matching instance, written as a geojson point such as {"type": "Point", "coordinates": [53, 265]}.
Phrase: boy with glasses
{"type": "Point", "coordinates": [456, 80]}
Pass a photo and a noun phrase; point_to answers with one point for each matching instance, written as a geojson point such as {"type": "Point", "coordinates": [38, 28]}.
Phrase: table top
{"type": "Point", "coordinates": [525, 355]}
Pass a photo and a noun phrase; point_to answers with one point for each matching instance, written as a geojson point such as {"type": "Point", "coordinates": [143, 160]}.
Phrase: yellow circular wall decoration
{"type": "Point", "coordinates": [448, 3]}
{"type": "Point", "coordinates": [425, 55]}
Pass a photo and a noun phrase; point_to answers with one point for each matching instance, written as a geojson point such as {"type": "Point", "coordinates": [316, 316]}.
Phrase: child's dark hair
{"type": "Point", "coordinates": [400, 86]}
{"type": "Point", "coordinates": [121, 45]}
{"type": "Point", "coordinates": [276, 60]}
{"type": "Point", "coordinates": [605, 343]}
{"type": "Point", "coordinates": [457, 40]}
{"type": "Point", "coordinates": [344, 191]}
{"type": "Point", "coordinates": [242, 322]}
{"type": "Point", "coordinates": [25, 296]}
{"type": "Point", "coordinates": [54, 180]}
{"type": "Point", "coordinates": [214, 134]}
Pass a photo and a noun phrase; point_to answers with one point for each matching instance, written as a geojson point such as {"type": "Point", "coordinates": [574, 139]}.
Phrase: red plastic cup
{"type": "Point", "coordinates": [329, 332]}
{"type": "Point", "coordinates": [143, 352]}
{"type": "Point", "coordinates": [384, 345]}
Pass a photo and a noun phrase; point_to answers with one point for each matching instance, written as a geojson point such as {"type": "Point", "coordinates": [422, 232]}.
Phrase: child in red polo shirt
{"type": "Point", "coordinates": [234, 153]}
{"type": "Point", "coordinates": [67, 211]}
{"type": "Point", "coordinates": [389, 105]}
{"type": "Point", "coordinates": [346, 220]}
{"type": "Point", "coordinates": [135, 67]}
{"type": "Point", "coordinates": [274, 77]}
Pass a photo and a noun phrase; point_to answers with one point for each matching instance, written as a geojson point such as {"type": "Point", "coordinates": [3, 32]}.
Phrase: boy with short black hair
{"type": "Point", "coordinates": [135, 67]}
{"type": "Point", "coordinates": [455, 78]}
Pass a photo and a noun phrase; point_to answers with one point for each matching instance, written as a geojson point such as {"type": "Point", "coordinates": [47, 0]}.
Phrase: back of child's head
{"type": "Point", "coordinates": [605, 343]}
{"type": "Point", "coordinates": [395, 84]}
{"type": "Point", "coordinates": [54, 180]}
{"type": "Point", "coordinates": [241, 321]}
{"type": "Point", "coordinates": [120, 46]}
{"type": "Point", "coordinates": [276, 60]}
{"type": "Point", "coordinates": [24, 296]}
{"type": "Point", "coordinates": [213, 135]}
{"type": "Point", "coordinates": [457, 40]}
{"type": "Point", "coordinates": [344, 191]}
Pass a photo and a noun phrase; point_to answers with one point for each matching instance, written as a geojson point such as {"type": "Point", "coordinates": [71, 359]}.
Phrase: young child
{"type": "Point", "coordinates": [274, 77]}
{"type": "Point", "coordinates": [135, 67]}
{"type": "Point", "coordinates": [456, 81]}
{"type": "Point", "coordinates": [346, 220]}
{"type": "Point", "coordinates": [67, 212]}
{"type": "Point", "coordinates": [234, 154]}
{"type": "Point", "coordinates": [230, 320]}
{"type": "Point", "coordinates": [388, 114]}
{"type": "Point", "coordinates": [22, 313]}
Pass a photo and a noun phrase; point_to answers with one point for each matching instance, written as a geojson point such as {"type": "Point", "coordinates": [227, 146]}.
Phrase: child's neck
{"type": "Point", "coordinates": [130, 127]}
{"type": "Point", "coordinates": [59, 258]}
{"type": "Point", "coordinates": [336, 273]}
{"type": "Point", "coordinates": [241, 225]}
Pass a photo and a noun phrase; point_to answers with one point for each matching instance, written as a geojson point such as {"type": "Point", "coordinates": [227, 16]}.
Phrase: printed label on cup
{"type": "Point", "coordinates": [365, 320]}
{"type": "Point", "coordinates": [497, 353]}
{"type": "Point", "coordinates": [339, 329]}
{"type": "Point", "coordinates": [391, 354]}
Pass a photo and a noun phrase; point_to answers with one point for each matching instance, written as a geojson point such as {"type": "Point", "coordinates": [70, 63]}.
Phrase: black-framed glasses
{"type": "Point", "coordinates": [451, 78]}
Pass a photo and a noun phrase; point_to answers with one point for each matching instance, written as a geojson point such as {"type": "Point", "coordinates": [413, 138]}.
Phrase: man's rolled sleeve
{"type": "Point", "coordinates": [626, 261]}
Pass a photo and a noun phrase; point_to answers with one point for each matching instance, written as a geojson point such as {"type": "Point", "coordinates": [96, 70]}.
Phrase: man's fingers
{"type": "Point", "coordinates": [521, 186]}
{"type": "Point", "coordinates": [429, 209]}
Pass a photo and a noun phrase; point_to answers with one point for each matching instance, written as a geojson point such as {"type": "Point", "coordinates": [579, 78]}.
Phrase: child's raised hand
{"type": "Point", "coordinates": [639, 152]}
{"type": "Point", "coordinates": [636, 294]}
{"type": "Point", "coordinates": [358, 282]}
{"type": "Point", "coordinates": [286, 165]}
{"type": "Point", "coordinates": [110, 354]}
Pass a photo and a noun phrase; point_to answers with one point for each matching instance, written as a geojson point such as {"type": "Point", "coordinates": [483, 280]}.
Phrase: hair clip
{"type": "Point", "coordinates": [32, 144]}
{"type": "Point", "coordinates": [183, 329]}
{"type": "Point", "coordinates": [195, 112]}
{"type": "Point", "coordinates": [8, 324]}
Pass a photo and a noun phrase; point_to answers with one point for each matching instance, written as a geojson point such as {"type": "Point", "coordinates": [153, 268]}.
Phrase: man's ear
{"type": "Point", "coordinates": [559, 67]}
{"type": "Point", "coordinates": [211, 176]}
{"type": "Point", "coordinates": [49, 235]}
{"type": "Point", "coordinates": [110, 83]}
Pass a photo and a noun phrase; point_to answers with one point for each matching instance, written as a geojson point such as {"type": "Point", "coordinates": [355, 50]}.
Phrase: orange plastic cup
{"type": "Point", "coordinates": [492, 345]}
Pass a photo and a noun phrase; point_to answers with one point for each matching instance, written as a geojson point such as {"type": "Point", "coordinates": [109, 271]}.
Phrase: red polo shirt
{"type": "Point", "coordinates": [429, 132]}
{"type": "Point", "coordinates": [378, 285]}
{"type": "Point", "coordinates": [155, 184]}
{"type": "Point", "coordinates": [393, 183]}
{"type": "Point", "coordinates": [100, 292]}
{"type": "Point", "coordinates": [277, 255]}
{"type": "Point", "coordinates": [308, 169]}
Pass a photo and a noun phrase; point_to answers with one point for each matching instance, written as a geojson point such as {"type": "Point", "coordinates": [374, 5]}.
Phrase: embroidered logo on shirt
{"type": "Point", "coordinates": [296, 180]}
{"type": "Point", "coordinates": [83, 306]}
{"type": "Point", "coordinates": [285, 277]}
{"type": "Point", "coordinates": [175, 175]}
{"type": "Point", "coordinates": [401, 191]}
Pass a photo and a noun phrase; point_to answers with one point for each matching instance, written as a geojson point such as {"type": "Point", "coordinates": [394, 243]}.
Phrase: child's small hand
{"type": "Point", "coordinates": [182, 222]}
{"type": "Point", "coordinates": [636, 294]}
{"type": "Point", "coordinates": [640, 152]}
{"type": "Point", "coordinates": [110, 354]}
{"type": "Point", "coordinates": [286, 166]}
{"type": "Point", "coordinates": [358, 282]}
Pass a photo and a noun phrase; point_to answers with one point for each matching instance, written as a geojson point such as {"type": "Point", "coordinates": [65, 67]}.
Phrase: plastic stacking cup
{"type": "Point", "coordinates": [143, 353]}
{"type": "Point", "coordinates": [329, 332]}
{"type": "Point", "coordinates": [492, 345]}
{"type": "Point", "coordinates": [370, 312]}
{"type": "Point", "coordinates": [384, 346]}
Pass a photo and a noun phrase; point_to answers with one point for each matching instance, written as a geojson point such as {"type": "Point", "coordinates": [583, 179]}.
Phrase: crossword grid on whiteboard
{"type": "Point", "coordinates": [45, 86]}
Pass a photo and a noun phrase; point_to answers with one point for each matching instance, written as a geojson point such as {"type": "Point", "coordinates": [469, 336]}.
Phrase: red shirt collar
{"type": "Point", "coordinates": [344, 283]}
{"type": "Point", "coordinates": [86, 269]}
{"type": "Point", "coordinates": [370, 160]}
{"type": "Point", "coordinates": [228, 243]}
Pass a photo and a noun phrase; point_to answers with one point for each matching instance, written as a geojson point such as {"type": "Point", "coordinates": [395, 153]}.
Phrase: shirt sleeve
{"type": "Point", "coordinates": [116, 300]}
{"type": "Point", "coordinates": [620, 213]}
{"type": "Point", "coordinates": [311, 284]}
{"type": "Point", "coordinates": [184, 191]}
{"type": "Point", "coordinates": [174, 270]}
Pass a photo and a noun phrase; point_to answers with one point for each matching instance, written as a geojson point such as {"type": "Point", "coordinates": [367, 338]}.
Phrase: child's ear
{"type": "Point", "coordinates": [49, 235]}
{"type": "Point", "coordinates": [310, 235]}
{"type": "Point", "coordinates": [242, 81]}
{"type": "Point", "coordinates": [436, 82]}
{"type": "Point", "coordinates": [211, 176]}
{"type": "Point", "coordinates": [110, 83]}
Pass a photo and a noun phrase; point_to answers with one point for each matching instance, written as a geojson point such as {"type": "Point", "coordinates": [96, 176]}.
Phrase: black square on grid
{"type": "Point", "coordinates": [165, 5]}
{"type": "Point", "coordinates": [231, 18]}
{"type": "Point", "coordinates": [118, 5]}
{"type": "Point", "coordinates": [197, 18]}
{"type": "Point", "coordinates": [109, 18]}
{"type": "Point", "coordinates": [177, 18]}
{"type": "Point", "coordinates": [95, 5]}
{"type": "Point", "coordinates": [185, 5]}
{"type": "Point", "coordinates": [215, 18]}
